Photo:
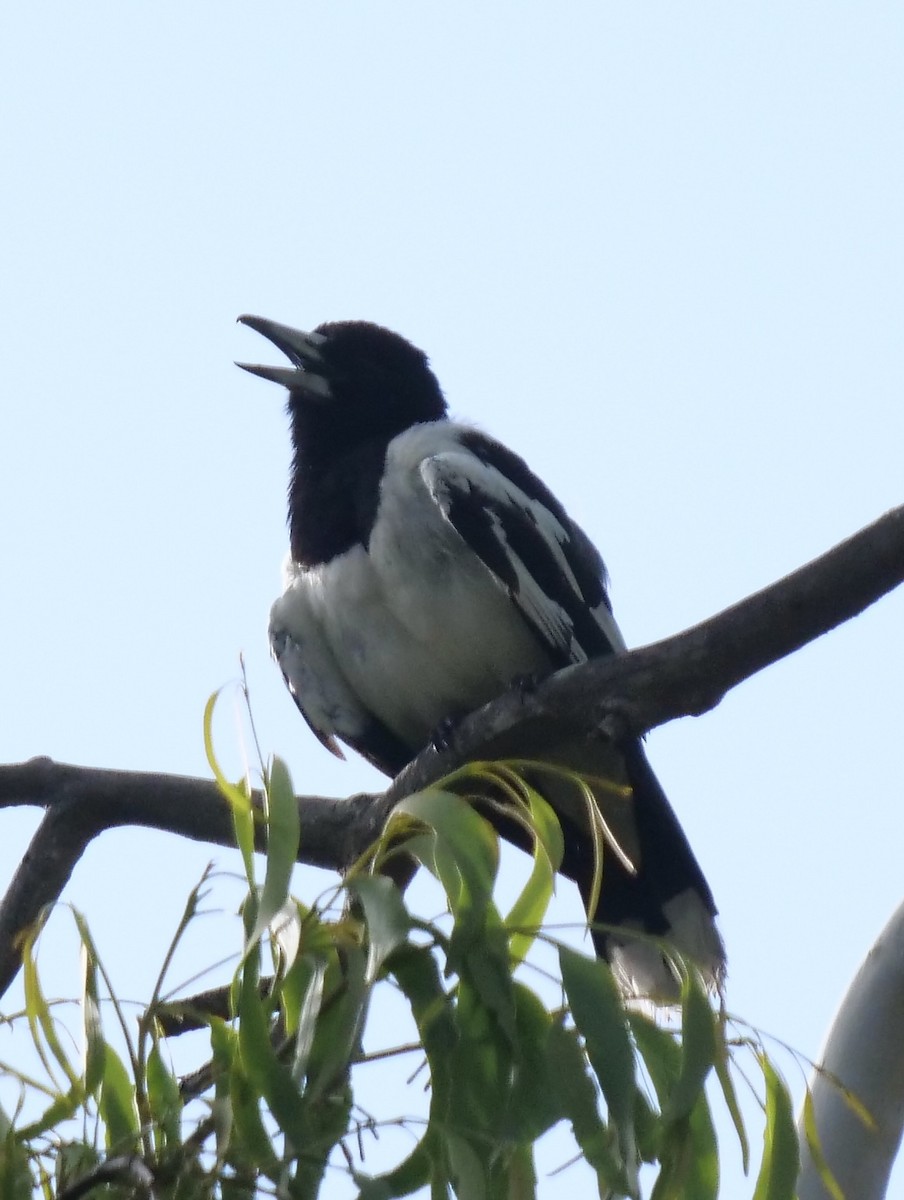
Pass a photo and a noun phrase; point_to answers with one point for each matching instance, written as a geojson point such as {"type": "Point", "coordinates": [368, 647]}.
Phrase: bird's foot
{"type": "Point", "coordinates": [443, 736]}
{"type": "Point", "coordinates": [525, 685]}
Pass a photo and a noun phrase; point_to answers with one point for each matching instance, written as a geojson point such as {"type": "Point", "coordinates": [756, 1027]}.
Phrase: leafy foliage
{"type": "Point", "coordinates": [272, 1109]}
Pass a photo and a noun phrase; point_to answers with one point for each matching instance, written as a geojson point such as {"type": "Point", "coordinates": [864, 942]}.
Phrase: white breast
{"type": "Point", "coordinates": [414, 629]}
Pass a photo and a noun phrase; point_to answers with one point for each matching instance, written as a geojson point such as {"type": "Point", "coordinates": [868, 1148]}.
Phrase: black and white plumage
{"type": "Point", "coordinates": [428, 569]}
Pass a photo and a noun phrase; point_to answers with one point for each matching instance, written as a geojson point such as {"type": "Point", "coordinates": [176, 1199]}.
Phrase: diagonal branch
{"type": "Point", "coordinates": [688, 674]}
{"type": "Point", "coordinates": [685, 675]}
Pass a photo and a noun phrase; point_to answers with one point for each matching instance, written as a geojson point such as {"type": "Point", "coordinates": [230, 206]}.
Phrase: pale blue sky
{"type": "Point", "coordinates": [658, 249]}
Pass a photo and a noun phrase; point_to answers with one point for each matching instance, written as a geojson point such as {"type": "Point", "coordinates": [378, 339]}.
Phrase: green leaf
{"type": "Point", "coordinates": [316, 942]}
{"type": "Point", "coordinates": [486, 965]}
{"type": "Point", "coordinates": [522, 805]}
{"type": "Point", "coordinates": [164, 1100]}
{"type": "Point", "coordinates": [777, 1179]}
{"type": "Point", "coordinates": [811, 1133]}
{"type": "Point", "coordinates": [464, 856]}
{"type": "Point", "coordinates": [683, 1138]}
{"type": "Point", "coordinates": [283, 832]}
{"type": "Point", "coordinates": [305, 1028]}
{"type": "Point", "coordinates": [598, 1011]}
{"type": "Point", "coordinates": [74, 1160]}
{"type": "Point", "coordinates": [313, 1119]}
{"type": "Point", "coordinates": [235, 1187]}
{"type": "Point", "coordinates": [388, 922]}
{"type": "Point", "coordinates": [660, 1052]}
{"type": "Point", "coordinates": [647, 1129]}
{"type": "Point", "coordinates": [15, 1175]}
{"type": "Point", "coordinates": [851, 1100]}
{"type": "Point", "coordinates": [235, 795]}
{"type": "Point", "coordinates": [417, 974]}
{"type": "Point", "coordinates": [285, 935]}
{"type": "Point", "coordinates": [467, 1168]}
{"type": "Point", "coordinates": [41, 1024]}
{"type": "Point", "coordinates": [520, 1178]}
{"type": "Point", "coordinates": [412, 1174]}
{"type": "Point", "coordinates": [95, 1046]}
{"type": "Point", "coordinates": [117, 1105]}
{"type": "Point", "coordinates": [268, 1075]}
{"type": "Point", "coordinates": [529, 909]}
{"type": "Point", "coordinates": [481, 1079]}
{"type": "Point", "coordinates": [723, 1074]}
{"type": "Point", "coordinates": [689, 1157]}
{"type": "Point", "coordinates": [698, 1048]}
{"type": "Point", "coordinates": [338, 1033]}
{"type": "Point", "coordinates": [577, 1095]}
{"type": "Point", "coordinates": [535, 1106]}
{"type": "Point", "coordinates": [224, 1041]}
{"type": "Point", "coordinates": [58, 1111]}
{"type": "Point", "coordinates": [238, 798]}
{"type": "Point", "coordinates": [250, 1147]}
{"type": "Point", "coordinates": [466, 849]}
{"type": "Point", "coordinates": [687, 1146]}
{"type": "Point", "coordinates": [243, 826]}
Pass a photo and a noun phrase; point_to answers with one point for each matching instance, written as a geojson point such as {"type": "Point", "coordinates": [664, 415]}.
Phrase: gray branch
{"type": "Point", "coordinates": [628, 694]}
{"type": "Point", "coordinates": [862, 1055]}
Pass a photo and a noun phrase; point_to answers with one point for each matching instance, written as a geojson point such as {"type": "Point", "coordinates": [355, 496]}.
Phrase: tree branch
{"type": "Point", "coordinates": [628, 694]}
{"type": "Point", "coordinates": [688, 674]}
{"type": "Point", "coordinates": [861, 1055]}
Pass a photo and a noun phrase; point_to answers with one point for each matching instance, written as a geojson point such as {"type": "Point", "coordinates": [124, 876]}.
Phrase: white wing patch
{"type": "Point", "coordinates": [543, 613]}
{"type": "Point", "coordinates": [529, 551]}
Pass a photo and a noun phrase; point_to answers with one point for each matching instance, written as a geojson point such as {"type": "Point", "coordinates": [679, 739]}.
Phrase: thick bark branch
{"type": "Point", "coordinates": [629, 694]}
{"type": "Point", "coordinates": [688, 674]}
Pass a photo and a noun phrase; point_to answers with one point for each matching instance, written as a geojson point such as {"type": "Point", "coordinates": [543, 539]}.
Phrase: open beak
{"type": "Point", "coordinates": [300, 348]}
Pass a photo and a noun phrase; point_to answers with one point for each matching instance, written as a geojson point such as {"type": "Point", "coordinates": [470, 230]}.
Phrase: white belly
{"type": "Point", "coordinates": [412, 630]}
{"type": "Point", "coordinates": [413, 656]}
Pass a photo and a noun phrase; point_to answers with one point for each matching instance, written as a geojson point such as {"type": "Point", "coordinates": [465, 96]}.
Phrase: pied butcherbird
{"type": "Point", "coordinates": [428, 569]}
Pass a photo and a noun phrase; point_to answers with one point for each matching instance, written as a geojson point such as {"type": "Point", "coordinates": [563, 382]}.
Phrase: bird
{"type": "Point", "coordinates": [429, 570]}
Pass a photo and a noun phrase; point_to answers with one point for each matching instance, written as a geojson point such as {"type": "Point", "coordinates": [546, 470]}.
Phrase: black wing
{"type": "Point", "coordinates": [550, 569]}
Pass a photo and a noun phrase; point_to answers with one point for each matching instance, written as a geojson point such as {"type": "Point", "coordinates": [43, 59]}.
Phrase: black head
{"type": "Point", "coordinates": [357, 378]}
{"type": "Point", "coordinates": [353, 387]}
{"type": "Point", "coordinates": [367, 365]}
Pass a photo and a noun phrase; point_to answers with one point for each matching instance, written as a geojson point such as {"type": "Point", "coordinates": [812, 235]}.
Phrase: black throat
{"type": "Point", "coordinates": [333, 498]}
{"type": "Point", "coordinates": [379, 386]}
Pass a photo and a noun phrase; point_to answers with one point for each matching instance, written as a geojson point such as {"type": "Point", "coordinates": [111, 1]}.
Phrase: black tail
{"type": "Point", "coordinates": [666, 897]}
